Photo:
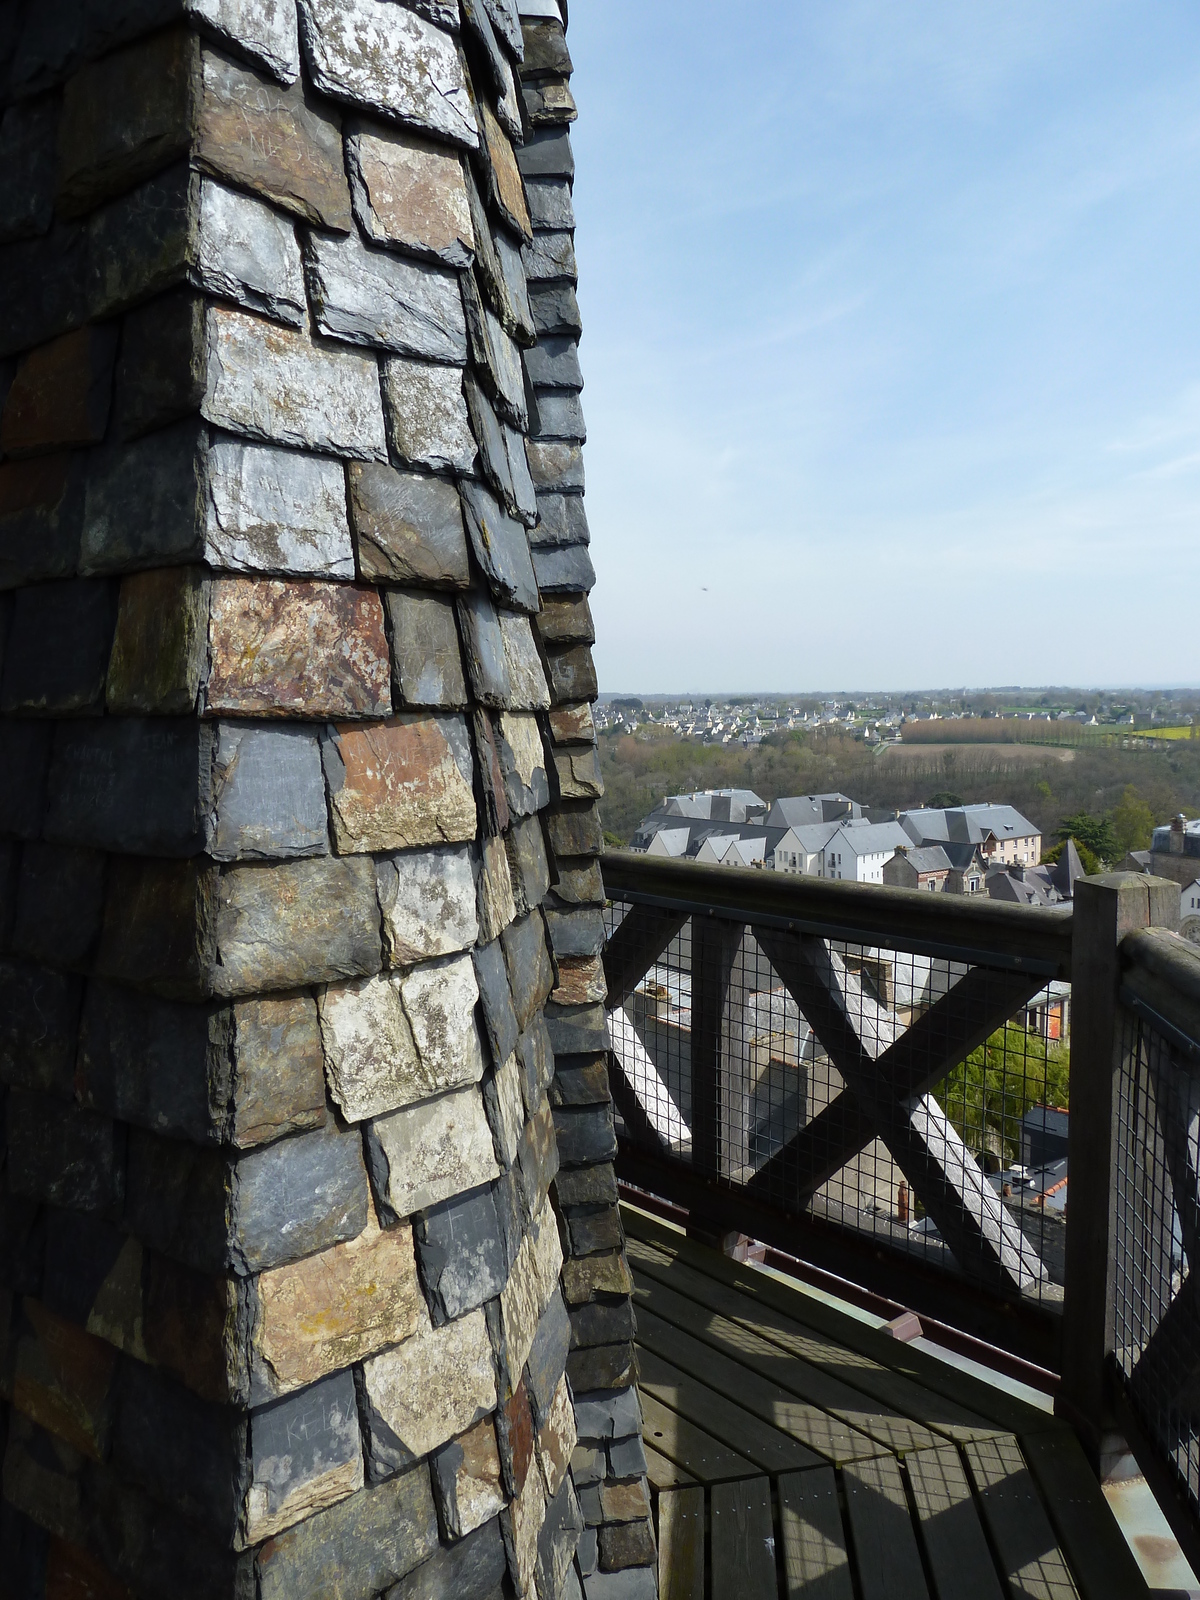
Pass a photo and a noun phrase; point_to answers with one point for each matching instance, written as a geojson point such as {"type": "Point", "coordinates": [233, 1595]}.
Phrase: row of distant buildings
{"type": "Point", "coordinates": [975, 849]}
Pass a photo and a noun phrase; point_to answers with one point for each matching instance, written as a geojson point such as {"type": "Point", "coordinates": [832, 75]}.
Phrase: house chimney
{"type": "Point", "coordinates": [1178, 834]}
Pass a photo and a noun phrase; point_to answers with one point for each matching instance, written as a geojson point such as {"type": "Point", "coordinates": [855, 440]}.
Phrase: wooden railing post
{"type": "Point", "coordinates": [715, 944]}
{"type": "Point", "coordinates": [1107, 908]}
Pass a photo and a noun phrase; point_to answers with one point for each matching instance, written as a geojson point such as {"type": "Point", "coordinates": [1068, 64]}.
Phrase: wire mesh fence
{"type": "Point", "coordinates": [1156, 1334]}
{"type": "Point", "coordinates": [915, 1100]}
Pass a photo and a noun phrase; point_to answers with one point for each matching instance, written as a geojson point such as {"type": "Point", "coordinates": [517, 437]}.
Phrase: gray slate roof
{"type": "Point", "coordinates": [930, 858]}
{"type": "Point", "coordinates": [966, 824]}
{"type": "Point", "coordinates": [798, 810]}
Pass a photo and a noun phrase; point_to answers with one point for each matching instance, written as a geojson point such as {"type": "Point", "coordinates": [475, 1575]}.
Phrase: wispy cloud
{"type": "Point", "coordinates": [892, 343]}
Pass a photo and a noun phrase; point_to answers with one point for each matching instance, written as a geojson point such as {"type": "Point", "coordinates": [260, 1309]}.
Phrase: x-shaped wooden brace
{"type": "Point", "coordinates": [886, 1077]}
{"type": "Point", "coordinates": [636, 944]}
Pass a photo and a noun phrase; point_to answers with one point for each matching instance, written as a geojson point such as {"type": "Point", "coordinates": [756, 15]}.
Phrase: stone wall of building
{"type": "Point", "coordinates": [310, 1269]}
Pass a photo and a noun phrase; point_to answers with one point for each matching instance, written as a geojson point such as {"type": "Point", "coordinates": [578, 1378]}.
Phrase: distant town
{"type": "Point", "coordinates": [880, 719]}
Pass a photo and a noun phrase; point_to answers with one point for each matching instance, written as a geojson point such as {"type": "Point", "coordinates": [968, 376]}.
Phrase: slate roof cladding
{"type": "Point", "coordinates": [930, 859]}
{"type": "Point", "coordinates": [966, 824]}
{"type": "Point", "coordinates": [797, 811]}
{"type": "Point", "coordinates": [303, 572]}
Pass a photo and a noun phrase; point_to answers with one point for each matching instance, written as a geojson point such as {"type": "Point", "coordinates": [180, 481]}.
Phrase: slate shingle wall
{"type": "Point", "coordinates": [309, 1259]}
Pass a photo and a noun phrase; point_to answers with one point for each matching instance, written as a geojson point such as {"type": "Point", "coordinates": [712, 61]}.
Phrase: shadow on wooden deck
{"type": "Point", "coordinates": [795, 1451]}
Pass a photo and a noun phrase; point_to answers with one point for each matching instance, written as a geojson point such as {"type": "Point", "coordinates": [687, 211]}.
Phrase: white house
{"type": "Point", "coordinates": [858, 850]}
{"type": "Point", "coordinates": [1189, 911]}
{"type": "Point", "coordinates": [728, 850]}
{"type": "Point", "coordinates": [853, 849]}
{"type": "Point", "coordinates": [801, 849]}
{"type": "Point", "coordinates": [669, 842]}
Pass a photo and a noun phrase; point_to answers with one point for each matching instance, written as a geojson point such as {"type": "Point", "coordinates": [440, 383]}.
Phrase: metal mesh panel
{"type": "Point", "coordinates": [951, 1147]}
{"type": "Point", "coordinates": [1156, 1332]}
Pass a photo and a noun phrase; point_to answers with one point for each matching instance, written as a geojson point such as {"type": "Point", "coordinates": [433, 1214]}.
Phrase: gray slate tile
{"type": "Point", "coordinates": [375, 297]}
{"type": "Point", "coordinates": [553, 363]}
{"type": "Point", "coordinates": [427, 667]}
{"type": "Point", "coordinates": [566, 570]}
{"type": "Point", "coordinates": [461, 1255]}
{"type": "Point", "coordinates": [408, 527]}
{"type": "Point", "coordinates": [501, 549]}
{"type": "Point", "coordinates": [547, 155]}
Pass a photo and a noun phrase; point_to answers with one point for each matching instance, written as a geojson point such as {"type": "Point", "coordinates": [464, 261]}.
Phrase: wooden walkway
{"type": "Point", "coordinates": [795, 1451]}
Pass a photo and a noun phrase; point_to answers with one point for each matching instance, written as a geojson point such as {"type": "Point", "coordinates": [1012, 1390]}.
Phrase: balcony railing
{"type": "Point", "coordinates": [881, 1082]}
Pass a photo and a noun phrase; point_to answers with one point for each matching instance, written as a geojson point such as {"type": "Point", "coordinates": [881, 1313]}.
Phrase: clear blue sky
{"type": "Point", "coordinates": [891, 339]}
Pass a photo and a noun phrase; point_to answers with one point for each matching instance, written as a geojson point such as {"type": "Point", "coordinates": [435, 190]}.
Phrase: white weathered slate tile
{"type": "Point", "coordinates": [264, 29]}
{"type": "Point", "coordinates": [276, 511]}
{"type": "Point", "coordinates": [395, 1040]}
{"type": "Point", "coordinates": [523, 763]}
{"type": "Point", "coordinates": [524, 1519]}
{"type": "Point", "coordinates": [248, 252]}
{"type": "Point", "coordinates": [378, 298]}
{"type": "Point", "coordinates": [533, 1280]}
{"type": "Point", "coordinates": [440, 999]}
{"type": "Point", "coordinates": [427, 898]}
{"type": "Point", "coordinates": [427, 415]}
{"type": "Point", "coordinates": [509, 1110]}
{"type": "Point", "coordinates": [557, 1439]}
{"type": "Point", "coordinates": [371, 1058]}
{"type": "Point", "coordinates": [433, 1386]}
{"type": "Point", "coordinates": [275, 384]}
{"type": "Point", "coordinates": [497, 907]}
{"type": "Point", "coordinates": [527, 677]}
{"type": "Point", "coordinates": [425, 1153]}
{"type": "Point", "coordinates": [378, 54]}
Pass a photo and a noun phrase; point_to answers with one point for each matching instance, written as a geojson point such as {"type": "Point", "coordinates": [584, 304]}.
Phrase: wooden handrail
{"type": "Point", "coordinates": [1162, 972]}
{"type": "Point", "coordinates": [962, 927]}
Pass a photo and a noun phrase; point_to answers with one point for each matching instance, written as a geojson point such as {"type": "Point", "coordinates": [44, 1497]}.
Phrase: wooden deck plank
{"type": "Point", "coordinates": [816, 1565]}
{"type": "Point", "coordinates": [707, 1408]}
{"type": "Point", "coordinates": [822, 1436]}
{"type": "Point", "coordinates": [1090, 1535]}
{"type": "Point", "coordinates": [681, 1544]}
{"type": "Point", "coordinates": [1031, 1560]}
{"type": "Point", "coordinates": [743, 1541]}
{"type": "Point", "coordinates": [892, 1390]}
{"type": "Point", "coordinates": [811, 1384]}
{"type": "Point", "coordinates": [994, 1405]}
{"type": "Point", "coordinates": [885, 1545]}
{"type": "Point", "coordinates": [688, 1447]}
{"type": "Point", "coordinates": [664, 1473]}
{"type": "Point", "coordinates": [955, 1542]}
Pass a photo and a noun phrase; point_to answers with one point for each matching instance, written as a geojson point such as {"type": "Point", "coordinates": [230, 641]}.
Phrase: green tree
{"type": "Point", "coordinates": [988, 1094]}
{"type": "Point", "coordinates": [944, 800]}
{"type": "Point", "coordinates": [1094, 832]}
{"type": "Point", "coordinates": [1132, 822]}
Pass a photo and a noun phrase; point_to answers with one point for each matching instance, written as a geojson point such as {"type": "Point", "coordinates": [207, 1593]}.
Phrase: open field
{"type": "Point", "coordinates": [967, 756]}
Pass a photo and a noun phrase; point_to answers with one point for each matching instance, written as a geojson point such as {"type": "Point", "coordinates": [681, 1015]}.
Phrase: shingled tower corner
{"type": "Point", "coordinates": [314, 1280]}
